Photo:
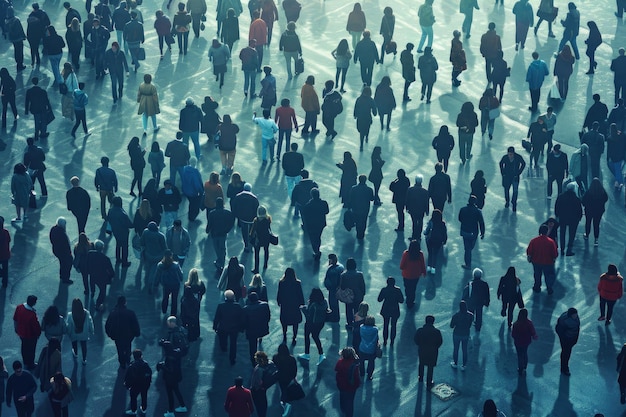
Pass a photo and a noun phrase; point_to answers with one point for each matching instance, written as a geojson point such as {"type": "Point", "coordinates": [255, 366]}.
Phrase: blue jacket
{"type": "Point", "coordinates": [80, 99]}
{"type": "Point", "coordinates": [369, 337]}
{"type": "Point", "coordinates": [537, 71]}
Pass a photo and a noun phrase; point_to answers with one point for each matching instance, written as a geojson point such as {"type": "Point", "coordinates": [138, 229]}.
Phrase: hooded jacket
{"type": "Point", "coordinates": [611, 287]}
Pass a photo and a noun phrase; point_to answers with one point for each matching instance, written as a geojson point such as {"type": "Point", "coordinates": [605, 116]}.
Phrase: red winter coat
{"type": "Point", "coordinates": [26, 323]}
{"type": "Point", "coordinates": [239, 402]}
{"type": "Point", "coordinates": [542, 250]}
{"type": "Point", "coordinates": [412, 269]}
{"type": "Point", "coordinates": [342, 375]}
{"type": "Point", "coordinates": [611, 287]}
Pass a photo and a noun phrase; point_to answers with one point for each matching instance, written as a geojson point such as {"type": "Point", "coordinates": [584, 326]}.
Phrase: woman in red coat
{"type": "Point", "coordinates": [413, 267]}
{"type": "Point", "coordinates": [611, 289]}
{"type": "Point", "coordinates": [239, 400]}
{"type": "Point", "coordinates": [348, 379]}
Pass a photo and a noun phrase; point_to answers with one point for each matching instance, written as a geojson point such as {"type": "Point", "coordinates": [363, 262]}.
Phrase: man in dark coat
{"type": "Point", "coordinates": [618, 66]}
{"type": "Point", "coordinates": [569, 210]}
{"type": "Point", "coordinates": [38, 104]}
{"type": "Point", "coordinates": [471, 218]}
{"type": "Point", "coordinates": [314, 218]}
{"type": "Point", "coordinates": [101, 273]}
{"type": "Point", "coordinates": [568, 329]}
{"type": "Point", "coordinates": [367, 53]}
{"type": "Point", "coordinates": [301, 193]}
{"type": "Point", "coordinates": [292, 164]}
{"type": "Point", "coordinates": [354, 280]}
{"type": "Point", "coordinates": [61, 249]}
{"type": "Point", "coordinates": [428, 340]}
{"type": "Point", "coordinates": [189, 123]}
{"type": "Point", "coordinates": [78, 202]}
{"type": "Point", "coordinates": [34, 158]}
{"type": "Point", "coordinates": [256, 322]}
{"type": "Point", "coordinates": [120, 226]}
{"type": "Point", "coordinates": [38, 21]}
{"type": "Point", "coordinates": [618, 115]}
{"type": "Point", "coordinates": [115, 62]}
{"type": "Point", "coordinates": [122, 327]}
{"type": "Point", "coordinates": [399, 188]}
{"type": "Point", "coordinates": [476, 295]}
{"type": "Point", "coordinates": [439, 188]}
{"type": "Point", "coordinates": [360, 197]}
{"type": "Point", "coordinates": [598, 112]}
{"type": "Point", "coordinates": [331, 282]}
{"type": "Point", "coordinates": [106, 184]}
{"type": "Point", "coordinates": [221, 222]}
{"type": "Point", "coordinates": [99, 40]}
{"type": "Point", "coordinates": [511, 167]}
{"type": "Point", "coordinates": [557, 167]}
{"type": "Point", "coordinates": [134, 37]}
{"type": "Point", "coordinates": [179, 156]}
{"type": "Point", "coordinates": [137, 380]}
{"type": "Point", "coordinates": [244, 207]}
{"type": "Point", "coordinates": [595, 140]}
{"type": "Point", "coordinates": [21, 387]}
{"type": "Point", "coordinates": [227, 323]}
{"type": "Point", "coordinates": [417, 204]}
{"type": "Point", "coordinates": [169, 199]}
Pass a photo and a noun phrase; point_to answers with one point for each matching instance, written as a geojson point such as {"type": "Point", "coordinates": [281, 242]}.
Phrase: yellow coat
{"type": "Point", "coordinates": [148, 100]}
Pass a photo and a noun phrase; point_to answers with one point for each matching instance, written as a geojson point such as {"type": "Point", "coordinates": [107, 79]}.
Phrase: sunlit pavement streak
{"type": "Point", "coordinates": [491, 371]}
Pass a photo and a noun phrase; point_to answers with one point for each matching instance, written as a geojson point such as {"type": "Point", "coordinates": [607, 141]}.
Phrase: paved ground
{"type": "Point", "coordinates": [492, 368]}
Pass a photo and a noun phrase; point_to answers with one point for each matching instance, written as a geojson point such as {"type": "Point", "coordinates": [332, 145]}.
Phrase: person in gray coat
{"type": "Point", "coordinates": [153, 248]}
{"type": "Point", "coordinates": [219, 54]}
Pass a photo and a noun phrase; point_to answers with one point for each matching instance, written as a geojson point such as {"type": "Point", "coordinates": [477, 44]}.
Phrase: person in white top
{"type": "Point", "coordinates": [268, 129]}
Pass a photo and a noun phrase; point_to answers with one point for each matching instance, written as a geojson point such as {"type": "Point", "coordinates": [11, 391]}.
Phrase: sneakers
{"type": "Point", "coordinates": [321, 359]}
{"type": "Point", "coordinates": [428, 269]}
{"type": "Point", "coordinates": [131, 413]}
{"type": "Point", "coordinates": [182, 409]}
{"type": "Point", "coordinates": [595, 242]}
{"type": "Point", "coordinates": [433, 270]}
{"type": "Point", "coordinates": [169, 414]}
{"type": "Point", "coordinates": [454, 365]}
{"type": "Point", "coordinates": [304, 356]}
{"type": "Point", "coordinates": [462, 367]}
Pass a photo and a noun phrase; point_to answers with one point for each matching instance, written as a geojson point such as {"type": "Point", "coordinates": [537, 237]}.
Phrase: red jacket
{"type": "Point", "coordinates": [285, 117]}
{"type": "Point", "coordinates": [5, 247]}
{"type": "Point", "coordinates": [258, 31]}
{"type": "Point", "coordinates": [342, 375]}
{"type": "Point", "coordinates": [611, 287]}
{"type": "Point", "coordinates": [26, 323]}
{"type": "Point", "coordinates": [239, 402]}
{"type": "Point", "coordinates": [542, 250]}
{"type": "Point", "coordinates": [412, 269]}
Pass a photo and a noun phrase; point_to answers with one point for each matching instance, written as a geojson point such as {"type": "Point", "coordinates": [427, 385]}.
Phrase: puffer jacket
{"type": "Point", "coordinates": [611, 287]}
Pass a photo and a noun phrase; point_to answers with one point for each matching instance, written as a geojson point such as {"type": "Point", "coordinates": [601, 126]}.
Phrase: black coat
{"type": "Point", "coordinates": [122, 324]}
{"type": "Point", "coordinates": [568, 208]}
{"type": "Point", "coordinates": [479, 295]}
{"type": "Point", "coordinates": [290, 298]}
{"type": "Point", "coordinates": [301, 193]}
{"type": "Point", "coordinates": [190, 118]}
{"type": "Point", "coordinates": [471, 218]}
{"type": "Point", "coordinates": [60, 242]}
{"type": "Point", "coordinates": [360, 197]}
{"type": "Point", "coordinates": [34, 157]}
{"type": "Point", "coordinates": [417, 200]}
{"type": "Point", "coordinates": [78, 201]}
{"type": "Point", "coordinates": [120, 223]}
{"type": "Point", "coordinates": [293, 163]}
{"type": "Point", "coordinates": [399, 188]}
{"type": "Point", "coordinates": [391, 297]}
{"type": "Point", "coordinates": [354, 280]}
{"type": "Point", "coordinates": [443, 144]}
{"type": "Point", "coordinates": [36, 100]}
{"type": "Point", "coordinates": [439, 188]}
{"type": "Point", "coordinates": [366, 52]}
{"type": "Point", "coordinates": [314, 214]}
{"type": "Point", "coordinates": [138, 376]}
{"type": "Point", "coordinates": [244, 206]}
{"type": "Point", "coordinates": [229, 317]}
{"type": "Point", "coordinates": [221, 222]}
{"type": "Point", "coordinates": [428, 340]}
{"type": "Point", "coordinates": [100, 268]}
{"type": "Point", "coordinates": [256, 320]}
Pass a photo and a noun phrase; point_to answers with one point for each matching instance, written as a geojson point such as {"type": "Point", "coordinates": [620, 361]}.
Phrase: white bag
{"type": "Point", "coordinates": [554, 91]}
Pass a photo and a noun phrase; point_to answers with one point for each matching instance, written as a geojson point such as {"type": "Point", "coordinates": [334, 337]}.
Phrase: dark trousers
{"type": "Point", "coordinates": [407, 84]}
{"type": "Point", "coordinates": [315, 236]}
{"type": "Point", "coordinates": [34, 43]}
{"type": "Point", "coordinates": [253, 345]}
{"type": "Point", "coordinates": [183, 41]}
{"type": "Point", "coordinates": [389, 326]}
{"type": "Point", "coordinates": [98, 55]}
{"type": "Point", "coordinates": [313, 330]}
{"type": "Point", "coordinates": [465, 145]}
{"type": "Point", "coordinates": [429, 372]}
{"type": "Point", "coordinates": [283, 134]}
{"type": "Point", "coordinates": [341, 72]}
{"type": "Point", "coordinates": [259, 397]}
{"type": "Point", "coordinates": [57, 410]}
{"type": "Point", "coordinates": [366, 72]}
{"type": "Point", "coordinates": [534, 98]}
{"type": "Point", "coordinates": [566, 352]}
{"type": "Point", "coordinates": [351, 308]}
{"type": "Point", "coordinates": [469, 241]}
{"type": "Point", "coordinates": [329, 123]}
{"type": "Point", "coordinates": [171, 387]}
{"type": "Point", "coordinates": [266, 255]}
{"type": "Point", "coordinates": [461, 341]}
{"type": "Point", "coordinates": [417, 221]}
{"type": "Point", "coordinates": [409, 290]}
{"type": "Point", "coordinates": [522, 357]}
{"type": "Point", "coordinates": [4, 272]}
{"type": "Point", "coordinates": [65, 267]}
{"type": "Point", "coordinates": [81, 220]}
{"type": "Point", "coordinates": [346, 402]}
{"type": "Point", "coordinates": [245, 233]}
{"type": "Point", "coordinates": [83, 348]}
{"type": "Point", "coordinates": [433, 253]}
{"type": "Point", "coordinates": [507, 308]}
{"type": "Point", "coordinates": [121, 249]}
{"type": "Point", "coordinates": [478, 316]}
{"type": "Point", "coordinates": [195, 23]}
{"type": "Point", "coordinates": [102, 292]}
{"type": "Point", "coordinates": [28, 352]}
{"type": "Point", "coordinates": [548, 273]}
{"type": "Point", "coordinates": [24, 409]}
{"type": "Point", "coordinates": [224, 338]}
{"type": "Point", "coordinates": [595, 219]}
{"type": "Point", "coordinates": [117, 84]}
{"type": "Point", "coordinates": [333, 304]}
{"type": "Point", "coordinates": [563, 85]}
{"type": "Point", "coordinates": [572, 234]}
{"type": "Point", "coordinates": [488, 68]}
{"type": "Point", "coordinates": [81, 117]}
{"type": "Point", "coordinates": [507, 183]}
{"type": "Point", "coordinates": [134, 393]}
{"type": "Point", "coordinates": [18, 53]}
{"type": "Point", "coordinates": [75, 57]}
{"type": "Point", "coordinates": [40, 125]}
{"type": "Point", "coordinates": [138, 179]}
{"type": "Point", "coordinates": [559, 184]}
{"type": "Point", "coordinates": [360, 223]}
{"type": "Point", "coordinates": [620, 89]}
{"type": "Point", "coordinates": [166, 295]}
{"type": "Point", "coordinates": [400, 211]}
{"type": "Point", "coordinates": [427, 90]}
{"type": "Point", "coordinates": [8, 100]}
{"type": "Point", "coordinates": [123, 347]}
{"type": "Point", "coordinates": [371, 360]}
{"type": "Point", "coordinates": [219, 245]}
{"type": "Point", "coordinates": [310, 120]}
{"type": "Point", "coordinates": [608, 306]}
{"type": "Point", "coordinates": [38, 175]}
{"type": "Point", "coordinates": [194, 207]}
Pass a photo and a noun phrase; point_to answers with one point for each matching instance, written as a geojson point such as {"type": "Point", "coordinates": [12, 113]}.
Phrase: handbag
{"type": "Point", "coordinates": [299, 66]}
{"type": "Point", "coordinates": [136, 244]}
{"type": "Point", "coordinates": [293, 392]}
{"type": "Point", "coordinates": [345, 295]}
{"type": "Point", "coordinates": [169, 39]}
{"type": "Point", "coordinates": [48, 116]}
{"type": "Point", "coordinates": [63, 89]}
{"type": "Point", "coordinates": [32, 200]}
{"type": "Point", "coordinates": [379, 350]}
{"type": "Point", "coordinates": [526, 145]}
{"type": "Point", "coordinates": [141, 54]}
{"type": "Point", "coordinates": [494, 113]}
{"type": "Point", "coordinates": [554, 91]}
{"type": "Point", "coordinates": [273, 239]}
{"type": "Point", "coordinates": [348, 220]}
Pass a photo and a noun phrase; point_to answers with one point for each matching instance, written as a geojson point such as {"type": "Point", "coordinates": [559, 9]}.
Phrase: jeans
{"type": "Point", "coordinates": [486, 123]}
{"type": "Point", "coordinates": [465, 145]}
{"type": "Point", "coordinates": [346, 402]}
{"type": "Point", "coordinates": [81, 117]}
{"type": "Point", "coordinates": [313, 330]}
{"type": "Point", "coordinates": [102, 292]}
{"type": "Point", "coordinates": [315, 236]}
{"type": "Point", "coordinates": [245, 233]}
{"type": "Point", "coordinates": [342, 72]}
{"type": "Point", "coordinates": [38, 175]}
{"type": "Point", "coordinates": [507, 308]}
{"type": "Point", "coordinates": [175, 170]}
{"type": "Point", "coordinates": [333, 304]}
{"type": "Point", "coordinates": [427, 32]}
{"type": "Point", "coordinates": [265, 144]}
{"type": "Point", "coordinates": [117, 84]}
{"type": "Point", "coordinates": [288, 57]}
{"type": "Point", "coordinates": [18, 53]}
{"type": "Point", "coordinates": [548, 273]}
{"type": "Point", "coordinates": [286, 135]}
{"type": "Point", "coordinates": [40, 125]}
{"type": "Point", "coordinates": [183, 41]}
{"type": "Point", "coordinates": [151, 266]}
{"type": "Point", "coordinates": [224, 338]}
{"type": "Point", "coordinates": [8, 99]}
{"type": "Point", "coordinates": [469, 241]}
{"type": "Point", "coordinates": [55, 60]}
{"type": "Point", "coordinates": [120, 40]}
{"type": "Point", "coordinates": [604, 303]}
{"type": "Point", "coordinates": [463, 341]}
{"type": "Point", "coordinates": [522, 357]}
{"type": "Point", "coordinates": [219, 245]}
{"type": "Point", "coordinates": [166, 295]}
{"type": "Point", "coordinates": [572, 234]}
{"type": "Point", "coordinates": [410, 286]}
{"type": "Point", "coordinates": [195, 138]}
{"type": "Point", "coordinates": [144, 121]}
{"type": "Point", "coordinates": [259, 51]}
{"type": "Point", "coordinates": [371, 362]}
{"type": "Point", "coordinates": [249, 80]}
{"type": "Point", "coordinates": [389, 326]}
{"type": "Point", "coordinates": [168, 218]}
{"type": "Point", "coordinates": [291, 183]}
{"type": "Point", "coordinates": [567, 37]}
{"type": "Point", "coordinates": [98, 56]}
{"type": "Point", "coordinates": [616, 170]}
{"type": "Point", "coordinates": [507, 183]}
{"type": "Point", "coordinates": [328, 120]}
{"type": "Point", "coordinates": [134, 50]}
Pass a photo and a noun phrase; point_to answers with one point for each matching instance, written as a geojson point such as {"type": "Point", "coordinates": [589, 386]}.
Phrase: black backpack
{"type": "Point", "coordinates": [332, 103]}
{"type": "Point", "coordinates": [270, 375]}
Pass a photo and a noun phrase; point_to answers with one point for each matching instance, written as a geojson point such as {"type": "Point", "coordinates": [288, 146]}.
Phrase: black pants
{"type": "Point", "coordinates": [81, 117]}
{"type": "Point", "coordinates": [313, 330]}
{"type": "Point", "coordinates": [595, 219]}
{"type": "Point", "coordinates": [427, 90]}
{"type": "Point", "coordinates": [4, 272]}
{"type": "Point", "coordinates": [360, 222]}
{"type": "Point", "coordinates": [400, 211]}
{"type": "Point", "coordinates": [8, 100]}
{"type": "Point", "coordinates": [83, 348]}
{"type": "Point", "coordinates": [34, 43]}
{"type": "Point", "coordinates": [608, 305]}
{"type": "Point", "coordinates": [329, 123]}
{"type": "Point", "coordinates": [75, 57]}
{"type": "Point", "coordinates": [409, 290]}
{"type": "Point", "coordinates": [417, 221]}
{"type": "Point", "coordinates": [166, 295]}
{"type": "Point", "coordinates": [310, 120]}
{"type": "Point", "coordinates": [315, 236]}
{"type": "Point", "coordinates": [137, 179]}
{"type": "Point", "coordinates": [346, 402]}
{"type": "Point", "coordinates": [259, 396]}
{"type": "Point", "coordinates": [102, 292]}
{"type": "Point", "coordinates": [194, 207]}
{"type": "Point", "coordinates": [572, 234]}
{"type": "Point", "coordinates": [123, 347]}
{"type": "Point", "coordinates": [351, 308]}
{"type": "Point", "coordinates": [535, 95]}
{"type": "Point", "coordinates": [18, 53]}
{"type": "Point", "coordinates": [257, 251]}
{"type": "Point", "coordinates": [117, 84]}
{"type": "Point", "coordinates": [253, 345]}
{"type": "Point", "coordinates": [366, 72]}
{"type": "Point", "coordinates": [224, 338]}
{"type": "Point", "coordinates": [478, 316]}
{"type": "Point", "coordinates": [38, 175]}
{"type": "Point", "coordinates": [259, 52]}
{"type": "Point", "coordinates": [65, 267]}
{"type": "Point", "coordinates": [433, 253]}
{"type": "Point", "coordinates": [134, 392]}
{"type": "Point", "coordinates": [28, 352]}
{"type": "Point", "coordinates": [195, 23]}
{"type": "Point", "coordinates": [389, 328]}
{"type": "Point", "coordinates": [429, 372]}
{"type": "Point", "coordinates": [566, 352]}
{"type": "Point", "coordinates": [342, 72]}
{"type": "Point", "coordinates": [507, 308]}
{"type": "Point", "coordinates": [121, 249]}
{"type": "Point", "coordinates": [171, 387]}
{"type": "Point", "coordinates": [559, 184]}
{"type": "Point", "coordinates": [488, 68]}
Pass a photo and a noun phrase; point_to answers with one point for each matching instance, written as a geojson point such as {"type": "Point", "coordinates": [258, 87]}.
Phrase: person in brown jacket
{"type": "Point", "coordinates": [490, 45]}
{"type": "Point", "coordinates": [610, 289]}
{"type": "Point", "coordinates": [148, 100]}
{"type": "Point", "coordinates": [311, 106]}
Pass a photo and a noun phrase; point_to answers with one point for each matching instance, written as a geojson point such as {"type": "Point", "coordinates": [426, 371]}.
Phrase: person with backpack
{"type": "Point", "coordinates": [264, 375]}
{"type": "Point", "coordinates": [170, 276]}
{"type": "Point", "coordinates": [331, 108]}
{"type": "Point", "coordinates": [315, 313]}
{"type": "Point", "coordinates": [175, 347]}
{"type": "Point", "coordinates": [137, 380]}
{"type": "Point", "coordinates": [348, 379]}
{"type": "Point", "coordinates": [290, 46]}
{"type": "Point", "coordinates": [16, 35]}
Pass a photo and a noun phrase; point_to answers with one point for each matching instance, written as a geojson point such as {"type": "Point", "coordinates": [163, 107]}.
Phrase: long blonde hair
{"type": "Point", "coordinates": [257, 281]}
{"type": "Point", "coordinates": [145, 211]}
{"type": "Point", "coordinates": [193, 278]}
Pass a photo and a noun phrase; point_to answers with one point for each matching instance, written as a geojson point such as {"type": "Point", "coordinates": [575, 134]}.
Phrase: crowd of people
{"type": "Point", "coordinates": [156, 235]}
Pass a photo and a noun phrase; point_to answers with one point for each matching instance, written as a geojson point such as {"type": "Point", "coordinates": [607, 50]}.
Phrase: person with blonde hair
{"type": "Point", "coordinates": [195, 283]}
{"type": "Point", "coordinates": [257, 285]}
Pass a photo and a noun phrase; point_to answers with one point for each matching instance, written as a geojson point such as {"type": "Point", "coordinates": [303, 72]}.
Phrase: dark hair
{"type": "Point", "coordinates": [316, 296]}
{"type": "Point", "coordinates": [391, 281]}
{"type": "Point", "coordinates": [137, 354]}
{"type": "Point", "coordinates": [78, 315]}
{"type": "Point", "coordinates": [19, 168]}
{"type": "Point", "coordinates": [51, 316]}
{"type": "Point", "coordinates": [155, 147]}
{"type": "Point", "coordinates": [53, 344]}
{"type": "Point", "coordinates": [414, 249]}
{"type": "Point", "coordinates": [348, 353]}
{"type": "Point", "coordinates": [239, 381]}
{"type": "Point", "coordinates": [329, 85]}
{"type": "Point", "coordinates": [285, 102]}
{"type": "Point", "coordinates": [342, 48]}
{"type": "Point", "coordinates": [350, 264]}
{"type": "Point", "coordinates": [289, 275]}
{"type": "Point", "coordinates": [310, 80]}
{"type": "Point", "coordinates": [147, 78]}
{"type": "Point", "coordinates": [522, 315]}
{"type": "Point", "coordinates": [489, 409]}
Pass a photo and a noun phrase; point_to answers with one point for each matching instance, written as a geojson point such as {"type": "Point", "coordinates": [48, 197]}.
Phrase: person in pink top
{"type": "Point", "coordinates": [285, 118]}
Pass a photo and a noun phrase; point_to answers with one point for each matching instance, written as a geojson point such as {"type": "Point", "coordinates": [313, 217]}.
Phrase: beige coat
{"type": "Point", "coordinates": [310, 101]}
{"type": "Point", "coordinates": [148, 100]}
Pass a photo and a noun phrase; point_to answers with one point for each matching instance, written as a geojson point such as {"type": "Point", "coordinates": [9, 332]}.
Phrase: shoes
{"type": "Point", "coordinates": [590, 72]}
{"type": "Point", "coordinates": [430, 384]}
{"type": "Point", "coordinates": [550, 291]}
{"type": "Point", "coordinates": [551, 35]}
{"type": "Point", "coordinates": [169, 413]}
{"type": "Point", "coordinates": [517, 47]}
{"type": "Point", "coordinates": [570, 253]}
{"type": "Point", "coordinates": [84, 362]}
{"type": "Point", "coordinates": [370, 377]}
{"type": "Point", "coordinates": [428, 269]}
{"type": "Point", "coordinates": [503, 312]}
{"type": "Point", "coordinates": [536, 289]}
{"type": "Point", "coordinates": [433, 270]}
{"type": "Point", "coordinates": [465, 267]}
{"type": "Point", "coordinates": [287, 409]}
{"type": "Point", "coordinates": [130, 413]}
{"type": "Point", "coordinates": [566, 372]}
{"type": "Point", "coordinates": [399, 229]}
{"type": "Point", "coordinates": [125, 264]}
{"type": "Point", "coordinates": [67, 281]}
{"type": "Point", "coordinates": [182, 409]}
{"type": "Point", "coordinates": [607, 322]}
{"type": "Point", "coordinates": [156, 129]}
{"type": "Point", "coordinates": [601, 318]}
{"type": "Point", "coordinates": [595, 242]}
{"type": "Point", "coordinates": [293, 341]}
{"type": "Point", "coordinates": [321, 359]}
{"type": "Point", "coordinates": [304, 356]}
{"type": "Point", "coordinates": [454, 365]}
{"type": "Point", "coordinates": [462, 367]}
{"type": "Point", "coordinates": [420, 51]}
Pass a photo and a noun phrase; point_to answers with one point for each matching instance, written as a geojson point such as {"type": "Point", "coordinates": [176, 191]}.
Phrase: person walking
{"type": "Point", "coordinates": [366, 53]}
{"type": "Point", "coordinates": [287, 371]}
{"type": "Point", "coordinates": [189, 123]}
{"type": "Point", "coordinates": [169, 198]}
{"type": "Point", "coordinates": [426, 22]}
{"type": "Point", "coordinates": [354, 281]}
{"type": "Point", "coordinates": [38, 103]}
{"type": "Point", "coordinates": [538, 135]}
{"type": "Point", "coordinates": [524, 15]}
{"type": "Point", "coordinates": [290, 298]}
{"type": "Point", "coordinates": [28, 329]}
{"type": "Point", "coordinates": [60, 394]}
{"type": "Point", "coordinates": [391, 297]}
{"type": "Point", "coordinates": [115, 62]}
{"type": "Point", "coordinates": [68, 85]}
{"type": "Point", "coordinates": [120, 225]}
{"type": "Point", "coordinates": [489, 107]}
{"type": "Point", "coordinates": [163, 28]}
{"type": "Point", "coordinates": [268, 129]}
{"type": "Point", "coordinates": [347, 378]}
{"type": "Point", "coordinates": [368, 346]}
{"type": "Point", "coordinates": [315, 314]}
{"type": "Point", "coordinates": [220, 223]}
{"type": "Point", "coordinates": [399, 188]}
{"type": "Point", "coordinates": [542, 252]}
{"type": "Point", "coordinates": [15, 34]}
{"type": "Point", "coordinates": [356, 24]}
{"type": "Point", "coordinates": [99, 39]}
{"type": "Point", "coordinates": [331, 108]}
{"type": "Point", "coordinates": [342, 56]}
{"type": "Point", "coordinates": [500, 72]}
{"type": "Point", "coordinates": [244, 206]}
{"type": "Point", "coordinates": [457, 58]}
{"type": "Point", "coordinates": [133, 37]}
{"type": "Point", "coordinates": [621, 375]}
{"type": "Point", "coordinates": [180, 25]}
{"type": "Point", "coordinates": [616, 153]}
{"type": "Point", "coordinates": [436, 235]}
{"type": "Point", "coordinates": [360, 197]}
{"type": "Point", "coordinates": [476, 295]}
{"type": "Point", "coordinates": [197, 9]}
{"type": "Point", "coordinates": [348, 176]}
{"type": "Point", "coordinates": [256, 323]}
{"type": "Point", "coordinates": [571, 25]}
{"type": "Point", "coordinates": [364, 108]}
{"type": "Point", "coordinates": [227, 323]}
{"type": "Point", "coordinates": [228, 144]}
{"type": "Point", "coordinates": [427, 65]}
{"type": "Point", "coordinates": [523, 334]}
{"type": "Point", "coordinates": [490, 46]}
{"type": "Point", "coordinates": [148, 103]}
{"type": "Point", "coordinates": [537, 71]}
{"type": "Point", "coordinates": [618, 66]}
{"type": "Point", "coordinates": [53, 44]}
{"type": "Point", "coordinates": [310, 105]}
{"type": "Point", "coordinates": [137, 380]}
{"type": "Point", "coordinates": [259, 32]}
{"type": "Point", "coordinates": [593, 42]}
{"type": "Point", "coordinates": [5, 253]}
{"type": "Point", "coordinates": [314, 219]}
{"type": "Point", "coordinates": [238, 401]}
{"type": "Point", "coordinates": [471, 219]}
{"type": "Point", "coordinates": [547, 12]}
{"type": "Point", "coordinates": [7, 94]}
{"type": "Point", "coordinates": [594, 201]}
{"type": "Point", "coordinates": [232, 278]}
{"type": "Point", "coordinates": [80, 101]}
{"type": "Point", "coordinates": [34, 158]}
{"type": "Point", "coordinates": [219, 54]}
{"type": "Point", "coordinates": [595, 140]}
{"type": "Point", "coordinates": [376, 174]}
{"type": "Point", "coordinates": [439, 188]}
{"type": "Point", "coordinates": [417, 204]}
{"type": "Point", "coordinates": [230, 24]}
{"type": "Point", "coordinates": [263, 377]}
{"type": "Point", "coordinates": [137, 164]}
{"type": "Point", "coordinates": [563, 68]}
{"type": "Point", "coordinates": [557, 168]}
{"type": "Point", "coordinates": [285, 118]}
{"type": "Point", "coordinates": [387, 27]}
{"type": "Point", "coordinates": [290, 46]}
{"type": "Point", "coordinates": [61, 249]}
{"type": "Point", "coordinates": [568, 208]}
{"type": "Point", "coordinates": [292, 164]}
{"type": "Point", "coordinates": [122, 327]}
{"type": "Point", "coordinates": [179, 156]}
{"type": "Point", "coordinates": [467, 7]}
{"type": "Point", "coordinates": [510, 293]}
{"type": "Point", "coordinates": [408, 70]}
{"type": "Point", "coordinates": [153, 245]}
{"type": "Point", "coordinates": [249, 63]}
{"type": "Point", "coordinates": [413, 268]}
{"type": "Point", "coordinates": [478, 187]}
{"type": "Point", "coordinates": [100, 271]}
{"type": "Point", "coordinates": [261, 237]}
{"type": "Point", "coordinates": [332, 280]}
{"type": "Point", "coordinates": [79, 328]}
{"type": "Point", "coordinates": [511, 167]}
{"type": "Point", "coordinates": [428, 340]}
{"type": "Point", "coordinates": [567, 328]}
{"type": "Point", "coordinates": [20, 389]}
{"type": "Point", "coordinates": [610, 289]}
{"type": "Point", "coordinates": [579, 166]}
{"type": "Point", "coordinates": [21, 186]}
{"type": "Point", "coordinates": [461, 323]}
{"type": "Point", "coordinates": [175, 347]}
{"type": "Point", "coordinates": [170, 276]}
{"type": "Point", "coordinates": [466, 121]}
